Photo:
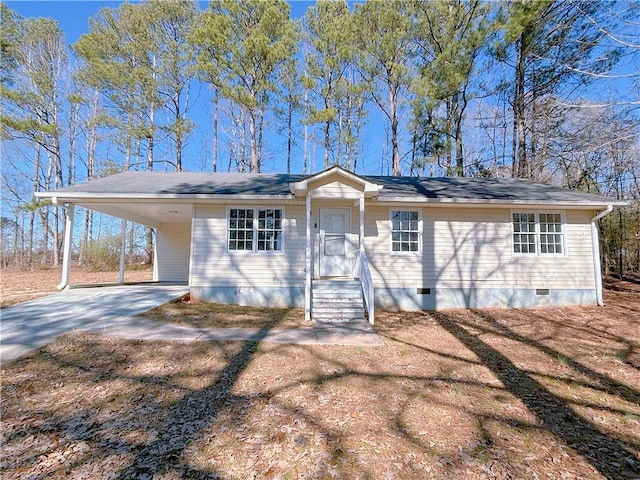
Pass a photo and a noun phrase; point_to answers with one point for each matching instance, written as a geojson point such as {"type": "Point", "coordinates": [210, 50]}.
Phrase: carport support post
{"type": "Point", "coordinates": [123, 239]}
{"type": "Point", "coordinates": [66, 252]}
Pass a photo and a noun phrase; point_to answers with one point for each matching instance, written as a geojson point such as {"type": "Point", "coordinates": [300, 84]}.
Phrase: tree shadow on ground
{"type": "Point", "coordinates": [611, 457]}
{"type": "Point", "coordinates": [185, 419]}
{"type": "Point", "coordinates": [437, 407]}
{"type": "Point", "coordinates": [170, 429]}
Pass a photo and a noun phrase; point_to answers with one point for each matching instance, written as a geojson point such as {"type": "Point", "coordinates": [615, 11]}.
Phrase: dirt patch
{"type": "Point", "coordinates": [500, 394]}
{"type": "Point", "coordinates": [215, 315]}
{"type": "Point", "coordinates": [21, 285]}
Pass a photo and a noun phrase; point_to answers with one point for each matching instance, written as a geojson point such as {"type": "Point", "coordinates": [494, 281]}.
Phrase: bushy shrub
{"type": "Point", "coordinates": [103, 255]}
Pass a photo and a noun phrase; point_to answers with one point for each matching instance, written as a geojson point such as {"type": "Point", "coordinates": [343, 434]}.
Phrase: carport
{"type": "Point", "coordinates": [168, 215]}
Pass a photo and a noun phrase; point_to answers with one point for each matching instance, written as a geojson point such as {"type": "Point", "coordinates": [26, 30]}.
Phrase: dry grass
{"type": "Point", "coordinates": [215, 315]}
{"type": "Point", "coordinates": [21, 285]}
{"type": "Point", "coordinates": [547, 393]}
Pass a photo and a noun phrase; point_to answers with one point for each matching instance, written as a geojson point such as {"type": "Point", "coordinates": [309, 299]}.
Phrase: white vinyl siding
{"type": "Point", "coordinates": [173, 243]}
{"type": "Point", "coordinates": [387, 269]}
{"type": "Point", "coordinates": [459, 248]}
{"type": "Point", "coordinates": [472, 248]}
{"type": "Point", "coordinates": [213, 264]}
{"type": "Point", "coordinates": [335, 190]}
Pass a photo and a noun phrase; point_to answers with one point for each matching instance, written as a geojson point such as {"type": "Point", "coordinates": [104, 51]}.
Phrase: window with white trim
{"type": "Point", "coordinates": [255, 229]}
{"type": "Point", "coordinates": [551, 236]}
{"type": "Point", "coordinates": [269, 229]}
{"type": "Point", "coordinates": [240, 229]}
{"type": "Point", "coordinates": [537, 233]}
{"type": "Point", "coordinates": [524, 232]}
{"type": "Point", "coordinates": [405, 231]}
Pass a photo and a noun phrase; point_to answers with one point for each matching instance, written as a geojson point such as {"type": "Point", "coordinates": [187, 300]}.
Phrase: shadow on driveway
{"type": "Point", "coordinates": [35, 323]}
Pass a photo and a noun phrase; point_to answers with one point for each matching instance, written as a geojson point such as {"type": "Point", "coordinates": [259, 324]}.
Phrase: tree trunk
{"type": "Point", "coordinates": [305, 155]}
{"type": "Point", "coordinates": [393, 107]}
{"type": "Point", "coordinates": [289, 132]}
{"type": "Point", "coordinates": [215, 131]}
{"type": "Point", "coordinates": [150, 147]}
{"type": "Point", "coordinates": [260, 131]}
{"type": "Point", "coordinates": [620, 244]}
{"type": "Point", "coordinates": [178, 152]}
{"type": "Point", "coordinates": [36, 188]}
{"type": "Point", "coordinates": [519, 114]}
{"type": "Point", "coordinates": [254, 165]}
{"type": "Point", "coordinates": [73, 127]}
{"type": "Point", "coordinates": [149, 246]}
{"type": "Point", "coordinates": [327, 143]}
{"type": "Point", "coordinates": [179, 132]}
{"type": "Point", "coordinates": [92, 143]}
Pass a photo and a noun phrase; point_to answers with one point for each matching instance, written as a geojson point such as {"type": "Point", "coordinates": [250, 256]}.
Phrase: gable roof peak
{"type": "Point", "coordinates": [301, 187]}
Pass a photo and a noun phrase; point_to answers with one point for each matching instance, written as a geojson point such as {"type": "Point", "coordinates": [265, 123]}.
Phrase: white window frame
{"type": "Point", "coordinates": [254, 249]}
{"type": "Point", "coordinates": [537, 232]}
{"type": "Point", "coordinates": [390, 223]}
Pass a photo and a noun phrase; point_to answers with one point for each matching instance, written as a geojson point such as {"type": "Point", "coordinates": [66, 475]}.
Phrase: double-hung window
{"type": "Point", "coordinates": [537, 233]}
{"type": "Point", "coordinates": [255, 229]}
{"type": "Point", "coordinates": [405, 231]}
{"type": "Point", "coordinates": [269, 229]}
{"type": "Point", "coordinates": [551, 236]}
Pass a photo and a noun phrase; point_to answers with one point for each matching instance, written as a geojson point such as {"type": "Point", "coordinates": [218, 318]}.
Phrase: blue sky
{"type": "Point", "coordinates": [73, 17]}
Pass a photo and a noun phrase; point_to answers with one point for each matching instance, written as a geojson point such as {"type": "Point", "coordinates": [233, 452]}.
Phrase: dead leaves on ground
{"type": "Point", "coordinates": [429, 404]}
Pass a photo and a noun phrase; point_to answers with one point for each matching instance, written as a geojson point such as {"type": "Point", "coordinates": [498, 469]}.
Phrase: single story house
{"type": "Point", "coordinates": [335, 242]}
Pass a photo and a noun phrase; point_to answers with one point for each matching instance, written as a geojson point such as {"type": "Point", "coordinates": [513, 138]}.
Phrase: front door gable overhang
{"type": "Point", "coordinates": [335, 182]}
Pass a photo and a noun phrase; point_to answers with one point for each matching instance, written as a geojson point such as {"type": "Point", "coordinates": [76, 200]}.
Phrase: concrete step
{"type": "Point", "coordinates": [337, 301]}
{"type": "Point", "coordinates": [337, 289]}
{"type": "Point", "coordinates": [349, 296]}
{"type": "Point", "coordinates": [337, 314]}
{"type": "Point", "coordinates": [335, 319]}
{"type": "Point", "coordinates": [319, 284]}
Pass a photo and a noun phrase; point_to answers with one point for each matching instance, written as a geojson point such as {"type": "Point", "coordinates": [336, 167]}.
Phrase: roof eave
{"type": "Point", "coordinates": [462, 202]}
{"type": "Point", "coordinates": [70, 197]}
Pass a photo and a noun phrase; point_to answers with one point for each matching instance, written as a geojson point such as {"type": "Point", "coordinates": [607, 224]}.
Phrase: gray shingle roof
{"type": "Point", "coordinates": [186, 183]}
{"type": "Point", "coordinates": [491, 190]}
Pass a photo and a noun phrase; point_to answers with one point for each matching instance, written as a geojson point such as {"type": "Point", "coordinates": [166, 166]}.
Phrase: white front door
{"type": "Point", "coordinates": [334, 248]}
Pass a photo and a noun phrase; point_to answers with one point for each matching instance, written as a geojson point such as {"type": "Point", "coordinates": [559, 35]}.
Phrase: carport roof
{"type": "Point", "coordinates": [188, 186]}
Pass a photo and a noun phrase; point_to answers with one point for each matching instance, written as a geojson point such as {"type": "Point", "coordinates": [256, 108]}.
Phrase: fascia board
{"type": "Point", "coordinates": [63, 197]}
{"type": "Point", "coordinates": [302, 187]}
{"type": "Point", "coordinates": [479, 203]}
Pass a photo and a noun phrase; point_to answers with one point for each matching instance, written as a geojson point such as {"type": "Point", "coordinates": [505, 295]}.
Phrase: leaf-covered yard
{"type": "Point", "coordinates": [546, 393]}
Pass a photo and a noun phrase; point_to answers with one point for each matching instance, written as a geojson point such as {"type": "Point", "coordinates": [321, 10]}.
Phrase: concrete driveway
{"type": "Point", "coordinates": [30, 325]}
{"type": "Point", "coordinates": [112, 311]}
